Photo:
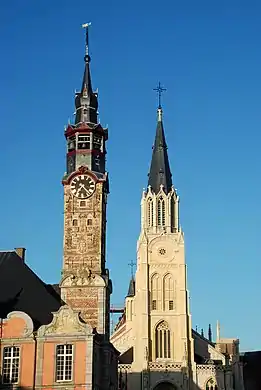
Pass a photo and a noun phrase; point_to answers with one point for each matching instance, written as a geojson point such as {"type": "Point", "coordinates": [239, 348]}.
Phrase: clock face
{"type": "Point", "coordinates": [83, 186]}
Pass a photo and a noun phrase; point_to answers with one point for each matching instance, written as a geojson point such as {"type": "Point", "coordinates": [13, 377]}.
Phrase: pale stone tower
{"type": "Point", "coordinates": [163, 323]}
{"type": "Point", "coordinates": [159, 349]}
{"type": "Point", "coordinates": [158, 322]}
{"type": "Point", "coordinates": [85, 283]}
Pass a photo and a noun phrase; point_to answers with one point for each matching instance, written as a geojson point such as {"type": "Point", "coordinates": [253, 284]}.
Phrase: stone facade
{"type": "Point", "coordinates": [84, 232]}
{"type": "Point", "coordinates": [85, 286]}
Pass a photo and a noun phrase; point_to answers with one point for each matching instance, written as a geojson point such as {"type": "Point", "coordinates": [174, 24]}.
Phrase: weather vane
{"type": "Point", "coordinates": [132, 264]}
{"type": "Point", "coordinates": [86, 26]}
{"type": "Point", "coordinates": [159, 90]}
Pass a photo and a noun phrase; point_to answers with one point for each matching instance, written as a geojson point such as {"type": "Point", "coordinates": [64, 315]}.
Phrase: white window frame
{"type": "Point", "coordinates": [12, 360]}
{"type": "Point", "coordinates": [64, 354]}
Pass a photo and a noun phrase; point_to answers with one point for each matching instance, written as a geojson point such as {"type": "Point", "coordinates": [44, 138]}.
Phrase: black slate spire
{"type": "Point", "coordinates": [131, 290]}
{"type": "Point", "coordinates": [159, 169]}
{"type": "Point", "coordinates": [86, 102]}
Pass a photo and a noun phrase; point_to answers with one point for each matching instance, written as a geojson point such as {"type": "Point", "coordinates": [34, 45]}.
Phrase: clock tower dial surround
{"type": "Point", "coordinates": [82, 186]}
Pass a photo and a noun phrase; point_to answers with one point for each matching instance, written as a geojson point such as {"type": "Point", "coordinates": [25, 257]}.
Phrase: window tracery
{"type": "Point", "coordinates": [211, 385]}
{"type": "Point", "coordinates": [162, 341]}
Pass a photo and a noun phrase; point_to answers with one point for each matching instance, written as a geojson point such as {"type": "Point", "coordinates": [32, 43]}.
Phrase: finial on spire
{"type": "Point", "coordinates": [86, 57]}
{"type": "Point", "coordinates": [159, 91]}
{"type": "Point", "coordinates": [132, 264]}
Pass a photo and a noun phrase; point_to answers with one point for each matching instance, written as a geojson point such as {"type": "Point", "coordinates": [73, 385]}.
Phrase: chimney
{"type": "Point", "coordinates": [21, 253]}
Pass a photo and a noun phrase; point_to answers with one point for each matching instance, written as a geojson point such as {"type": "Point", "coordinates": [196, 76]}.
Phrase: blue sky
{"type": "Point", "coordinates": [207, 54]}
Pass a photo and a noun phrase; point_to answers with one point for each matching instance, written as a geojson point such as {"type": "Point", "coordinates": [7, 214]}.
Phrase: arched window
{"type": "Point", "coordinates": [161, 212]}
{"type": "Point", "coordinates": [150, 212]}
{"type": "Point", "coordinates": [162, 341]}
{"type": "Point", "coordinates": [211, 385]}
{"type": "Point", "coordinates": [155, 292]}
{"type": "Point", "coordinates": [168, 292]}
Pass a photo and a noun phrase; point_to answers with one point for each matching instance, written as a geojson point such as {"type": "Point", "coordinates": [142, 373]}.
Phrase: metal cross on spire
{"type": "Point", "coordinates": [86, 26]}
{"type": "Point", "coordinates": [132, 264]}
{"type": "Point", "coordinates": [159, 90]}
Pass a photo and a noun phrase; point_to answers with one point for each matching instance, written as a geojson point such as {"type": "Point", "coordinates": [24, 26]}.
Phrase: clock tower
{"type": "Point", "coordinates": [85, 283]}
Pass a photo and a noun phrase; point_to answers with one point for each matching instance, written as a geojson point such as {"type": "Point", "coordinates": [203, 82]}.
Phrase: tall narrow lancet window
{"type": "Point", "coordinates": [155, 292]}
{"type": "Point", "coordinates": [162, 341]}
{"type": "Point", "coordinates": [150, 212]}
{"type": "Point", "coordinates": [211, 385]}
{"type": "Point", "coordinates": [172, 215]}
{"type": "Point", "coordinates": [161, 212]}
{"type": "Point", "coordinates": [168, 292]}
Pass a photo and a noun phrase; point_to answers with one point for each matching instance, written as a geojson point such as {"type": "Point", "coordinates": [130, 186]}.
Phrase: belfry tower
{"type": "Point", "coordinates": [85, 283]}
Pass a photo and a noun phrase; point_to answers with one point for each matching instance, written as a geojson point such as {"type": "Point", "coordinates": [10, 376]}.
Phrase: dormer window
{"type": "Point", "coordinates": [84, 141]}
{"type": "Point", "coordinates": [97, 142]}
{"type": "Point", "coordinates": [71, 144]}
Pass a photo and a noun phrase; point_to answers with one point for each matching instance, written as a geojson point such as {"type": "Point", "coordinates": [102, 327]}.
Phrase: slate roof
{"type": "Point", "coordinates": [21, 289]}
{"type": "Point", "coordinates": [86, 102]}
{"type": "Point", "coordinates": [126, 357]}
{"type": "Point", "coordinates": [131, 290]}
{"type": "Point", "coordinates": [159, 169]}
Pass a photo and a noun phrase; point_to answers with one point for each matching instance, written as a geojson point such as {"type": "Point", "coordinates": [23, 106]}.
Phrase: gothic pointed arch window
{"type": "Point", "coordinates": [162, 341]}
{"type": "Point", "coordinates": [168, 292]}
{"type": "Point", "coordinates": [211, 384]}
{"type": "Point", "coordinates": [150, 212]}
{"type": "Point", "coordinates": [161, 212]}
{"type": "Point", "coordinates": [155, 292]}
{"type": "Point", "coordinates": [172, 214]}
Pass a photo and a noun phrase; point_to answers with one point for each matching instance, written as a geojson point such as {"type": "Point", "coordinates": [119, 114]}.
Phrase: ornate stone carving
{"type": "Point", "coordinates": [65, 321]}
{"type": "Point", "coordinates": [82, 276]}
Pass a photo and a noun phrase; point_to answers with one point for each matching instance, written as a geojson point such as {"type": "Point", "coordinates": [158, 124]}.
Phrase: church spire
{"type": "Point", "coordinates": [86, 102]}
{"type": "Point", "coordinates": [159, 169]}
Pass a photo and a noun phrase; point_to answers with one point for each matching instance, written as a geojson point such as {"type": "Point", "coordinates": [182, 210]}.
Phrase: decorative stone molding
{"type": "Point", "coordinates": [163, 266]}
{"type": "Point", "coordinates": [65, 322]}
{"type": "Point", "coordinates": [209, 368]}
{"type": "Point", "coordinates": [124, 367]}
{"type": "Point", "coordinates": [82, 277]}
{"type": "Point", "coordinates": [29, 326]}
{"type": "Point", "coordinates": [165, 366]}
